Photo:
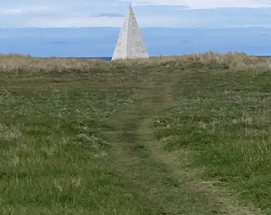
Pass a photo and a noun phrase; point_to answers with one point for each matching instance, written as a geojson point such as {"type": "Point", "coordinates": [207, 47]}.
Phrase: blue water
{"type": "Point", "coordinates": [105, 58]}
{"type": "Point", "coordinates": [92, 42]}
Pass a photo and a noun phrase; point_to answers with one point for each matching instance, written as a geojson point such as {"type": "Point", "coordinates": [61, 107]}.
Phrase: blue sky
{"type": "Point", "coordinates": [169, 27]}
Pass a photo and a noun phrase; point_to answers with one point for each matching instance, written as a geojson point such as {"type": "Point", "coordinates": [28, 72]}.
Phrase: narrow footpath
{"type": "Point", "coordinates": [161, 178]}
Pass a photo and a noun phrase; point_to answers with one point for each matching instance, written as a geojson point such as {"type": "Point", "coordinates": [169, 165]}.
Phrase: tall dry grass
{"type": "Point", "coordinates": [17, 62]}
{"type": "Point", "coordinates": [231, 60]}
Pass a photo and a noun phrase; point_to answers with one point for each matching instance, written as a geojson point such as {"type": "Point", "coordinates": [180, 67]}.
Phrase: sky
{"type": "Point", "coordinates": [90, 28]}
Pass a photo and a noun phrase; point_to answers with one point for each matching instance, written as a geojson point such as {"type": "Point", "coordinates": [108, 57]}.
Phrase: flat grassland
{"type": "Point", "coordinates": [169, 135]}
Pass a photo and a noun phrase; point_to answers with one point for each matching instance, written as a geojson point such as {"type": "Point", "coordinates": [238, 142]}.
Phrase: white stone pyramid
{"type": "Point", "coordinates": [130, 43]}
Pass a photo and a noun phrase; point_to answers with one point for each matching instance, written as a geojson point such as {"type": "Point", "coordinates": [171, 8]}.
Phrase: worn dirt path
{"type": "Point", "coordinates": [161, 178]}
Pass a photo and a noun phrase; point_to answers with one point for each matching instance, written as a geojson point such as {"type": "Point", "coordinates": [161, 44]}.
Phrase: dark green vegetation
{"type": "Point", "coordinates": [187, 136]}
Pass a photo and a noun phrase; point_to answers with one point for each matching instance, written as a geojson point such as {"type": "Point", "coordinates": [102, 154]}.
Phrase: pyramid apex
{"type": "Point", "coordinates": [130, 43]}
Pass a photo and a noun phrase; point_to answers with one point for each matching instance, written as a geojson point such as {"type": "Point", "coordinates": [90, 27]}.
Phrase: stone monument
{"type": "Point", "coordinates": [130, 43]}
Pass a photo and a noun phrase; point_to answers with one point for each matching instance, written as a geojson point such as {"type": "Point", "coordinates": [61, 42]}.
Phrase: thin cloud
{"type": "Point", "coordinates": [207, 4]}
{"type": "Point", "coordinates": [24, 10]}
{"type": "Point", "coordinates": [150, 13]}
{"type": "Point", "coordinates": [70, 22]}
{"type": "Point", "coordinates": [108, 15]}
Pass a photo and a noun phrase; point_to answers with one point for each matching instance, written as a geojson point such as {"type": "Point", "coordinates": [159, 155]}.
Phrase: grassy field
{"type": "Point", "coordinates": [171, 135]}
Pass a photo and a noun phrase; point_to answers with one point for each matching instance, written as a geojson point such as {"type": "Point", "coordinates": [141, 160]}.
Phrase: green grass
{"type": "Point", "coordinates": [223, 119]}
{"type": "Point", "coordinates": [135, 138]}
{"type": "Point", "coordinates": [54, 154]}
